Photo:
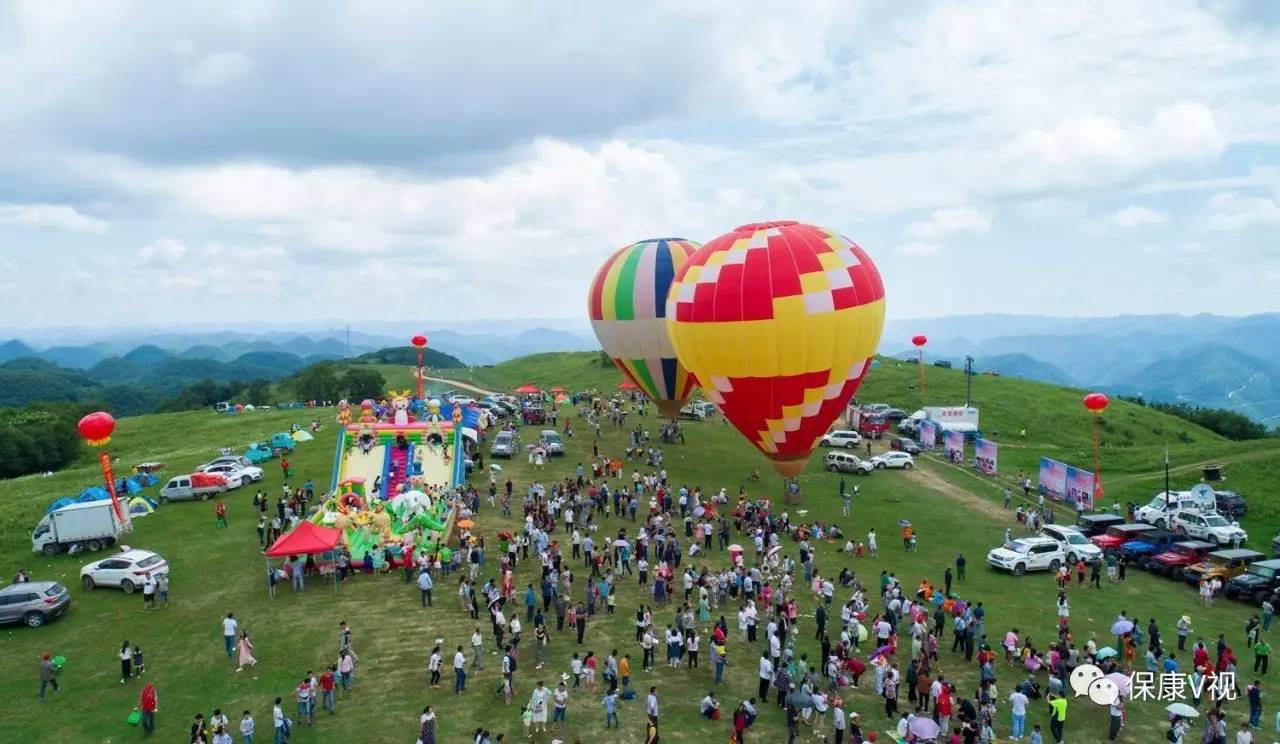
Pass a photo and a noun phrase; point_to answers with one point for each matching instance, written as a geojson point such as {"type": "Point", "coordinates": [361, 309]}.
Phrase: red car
{"type": "Point", "coordinates": [1114, 537]}
{"type": "Point", "coordinates": [1183, 554]}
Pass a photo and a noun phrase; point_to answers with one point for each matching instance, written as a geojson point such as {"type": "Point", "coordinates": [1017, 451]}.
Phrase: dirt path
{"type": "Point", "coordinates": [930, 479]}
{"type": "Point", "coordinates": [463, 385]}
{"type": "Point", "coordinates": [1177, 469]}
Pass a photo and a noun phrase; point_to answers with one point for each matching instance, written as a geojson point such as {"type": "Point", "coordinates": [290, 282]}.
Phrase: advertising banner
{"type": "Point", "coordinates": [928, 435]}
{"type": "Point", "coordinates": [1080, 488]}
{"type": "Point", "coordinates": [1053, 478]}
{"type": "Point", "coordinates": [984, 456]}
{"type": "Point", "coordinates": [953, 445]}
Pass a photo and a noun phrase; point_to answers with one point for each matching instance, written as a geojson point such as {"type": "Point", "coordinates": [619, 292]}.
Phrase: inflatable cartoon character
{"type": "Point", "coordinates": [366, 412]}
{"type": "Point", "coordinates": [400, 407]}
{"type": "Point", "coordinates": [344, 412]}
{"type": "Point", "coordinates": [433, 409]}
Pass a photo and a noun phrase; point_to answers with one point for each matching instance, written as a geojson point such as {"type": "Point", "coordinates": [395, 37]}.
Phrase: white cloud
{"type": "Point", "coordinates": [950, 222]}
{"type": "Point", "coordinates": [218, 69]}
{"type": "Point", "coordinates": [918, 250]}
{"type": "Point", "coordinates": [1233, 211]}
{"type": "Point", "coordinates": [1135, 216]}
{"type": "Point", "coordinates": [163, 253]}
{"type": "Point", "coordinates": [52, 216]}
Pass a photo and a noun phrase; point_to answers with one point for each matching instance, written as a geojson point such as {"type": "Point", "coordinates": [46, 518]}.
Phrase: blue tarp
{"type": "Point", "coordinates": [59, 504]}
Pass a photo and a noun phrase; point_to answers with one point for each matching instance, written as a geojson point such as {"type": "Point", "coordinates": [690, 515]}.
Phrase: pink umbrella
{"type": "Point", "coordinates": [1122, 682]}
{"type": "Point", "coordinates": [923, 728]}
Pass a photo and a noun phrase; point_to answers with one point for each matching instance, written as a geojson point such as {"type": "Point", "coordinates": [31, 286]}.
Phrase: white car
{"type": "Point", "coordinates": [1077, 546]}
{"type": "Point", "coordinates": [841, 438]}
{"type": "Point", "coordinates": [1158, 510]}
{"type": "Point", "coordinates": [240, 460]}
{"type": "Point", "coordinates": [1028, 554]}
{"type": "Point", "coordinates": [894, 459]}
{"type": "Point", "coordinates": [844, 462]}
{"type": "Point", "coordinates": [1212, 528]}
{"type": "Point", "coordinates": [236, 475]}
{"type": "Point", "coordinates": [125, 570]}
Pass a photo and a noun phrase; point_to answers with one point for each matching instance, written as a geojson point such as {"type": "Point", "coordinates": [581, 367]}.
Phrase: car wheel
{"type": "Point", "coordinates": [127, 586]}
{"type": "Point", "coordinates": [1054, 565]}
{"type": "Point", "coordinates": [850, 445]}
{"type": "Point", "coordinates": [164, 500]}
{"type": "Point", "coordinates": [908, 465]}
{"type": "Point", "coordinates": [86, 582]}
{"type": "Point", "coordinates": [881, 466]}
{"type": "Point", "coordinates": [94, 546]}
{"type": "Point", "coordinates": [1071, 558]}
{"type": "Point", "coordinates": [51, 549]}
{"type": "Point", "coordinates": [833, 468]}
{"type": "Point", "coordinates": [1160, 523]}
{"type": "Point", "coordinates": [204, 496]}
{"type": "Point", "coordinates": [33, 619]}
{"type": "Point", "coordinates": [1020, 569]}
{"type": "Point", "coordinates": [1260, 597]}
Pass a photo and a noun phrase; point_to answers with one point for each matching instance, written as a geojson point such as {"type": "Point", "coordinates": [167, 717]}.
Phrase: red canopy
{"type": "Point", "coordinates": [305, 539]}
{"type": "Point", "coordinates": [627, 385]}
{"type": "Point", "coordinates": [527, 389]}
{"type": "Point", "coordinates": [558, 389]}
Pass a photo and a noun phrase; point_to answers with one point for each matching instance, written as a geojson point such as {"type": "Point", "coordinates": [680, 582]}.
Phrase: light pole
{"type": "Point", "coordinates": [968, 381]}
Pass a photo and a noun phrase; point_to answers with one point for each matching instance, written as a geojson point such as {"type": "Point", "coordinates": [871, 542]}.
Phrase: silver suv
{"type": "Point", "coordinates": [33, 602]}
{"type": "Point", "coordinates": [504, 445]}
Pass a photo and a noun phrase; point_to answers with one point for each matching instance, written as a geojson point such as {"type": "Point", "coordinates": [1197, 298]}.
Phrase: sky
{"type": "Point", "coordinates": [258, 165]}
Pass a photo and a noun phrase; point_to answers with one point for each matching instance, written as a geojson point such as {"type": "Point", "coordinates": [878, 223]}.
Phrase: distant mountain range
{"type": "Point", "coordinates": [1208, 360]}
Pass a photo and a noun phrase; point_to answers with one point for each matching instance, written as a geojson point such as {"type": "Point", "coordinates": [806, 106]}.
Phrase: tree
{"type": "Point", "coordinates": [363, 382]}
{"type": "Point", "coordinates": [317, 382]}
{"type": "Point", "coordinates": [259, 392]}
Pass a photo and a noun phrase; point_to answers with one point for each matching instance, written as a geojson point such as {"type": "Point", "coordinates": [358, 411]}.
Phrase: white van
{"type": "Point", "coordinates": [1162, 505]}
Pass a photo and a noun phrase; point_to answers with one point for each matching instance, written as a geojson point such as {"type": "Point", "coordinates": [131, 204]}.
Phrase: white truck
{"type": "Point", "coordinates": [948, 418]}
{"type": "Point", "coordinates": [93, 525]}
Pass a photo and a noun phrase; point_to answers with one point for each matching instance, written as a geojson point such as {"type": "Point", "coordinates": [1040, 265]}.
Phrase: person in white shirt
{"type": "Point", "coordinates": [277, 720]}
{"type": "Point", "coordinates": [477, 653]}
{"type": "Point", "coordinates": [433, 665]}
{"type": "Point", "coordinates": [459, 671]}
{"type": "Point", "coordinates": [651, 704]}
{"type": "Point", "coordinates": [1018, 712]}
{"type": "Point", "coordinates": [766, 677]}
{"type": "Point", "coordinates": [246, 726]}
{"type": "Point", "coordinates": [229, 627]}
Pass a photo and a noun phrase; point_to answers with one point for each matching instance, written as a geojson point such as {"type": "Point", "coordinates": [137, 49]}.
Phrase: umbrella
{"type": "Point", "coordinates": [1106, 652]}
{"type": "Point", "coordinates": [800, 699]}
{"type": "Point", "coordinates": [862, 632]}
{"type": "Point", "coordinates": [735, 548]}
{"type": "Point", "coordinates": [558, 389]}
{"type": "Point", "coordinates": [1123, 684]}
{"type": "Point", "coordinates": [1121, 627]}
{"type": "Point", "coordinates": [527, 389]}
{"type": "Point", "coordinates": [495, 467]}
{"type": "Point", "coordinates": [699, 510]}
{"type": "Point", "coordinates": [773, 551]}
{"type": "Point", "coordinates": [881, 650]}
{"type": "Point", "coordinates": [620, 543]}
{"type": "Point", "coordinates": [923, 728]}
{"type": "Point", "coordinates": [466, 524]}
{"type": "Point", "coordinates": [1182, 709]}
{"type": "Point", "coordinates": [627, 385]}
{"type": "Point", "coordinates": [495, 603]}
{"type": "Point", "coordinates": [904, 522]}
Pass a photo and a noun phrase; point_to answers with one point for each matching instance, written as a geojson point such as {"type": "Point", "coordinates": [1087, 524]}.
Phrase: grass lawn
{"type": "Point", "coordinates": [216, 571]}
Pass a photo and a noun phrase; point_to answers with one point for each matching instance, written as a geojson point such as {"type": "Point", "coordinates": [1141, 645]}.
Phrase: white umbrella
{"type": "Point", "coordinates": [1182, 709]}
{"type": "Point", "coordinates": [620, 543]}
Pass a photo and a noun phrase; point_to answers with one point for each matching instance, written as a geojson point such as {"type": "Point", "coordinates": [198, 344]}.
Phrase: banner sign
{"type": "Point", "coordinates": [104, 460]}
{"type": "Point", "coordinates": [928, 435]}
{"type": "Point", "coordinates": [1065, 483]}
{"type": "Point", "coordinates": [953, 445]}
{"type": "Point", "coordinates": [984, 456]}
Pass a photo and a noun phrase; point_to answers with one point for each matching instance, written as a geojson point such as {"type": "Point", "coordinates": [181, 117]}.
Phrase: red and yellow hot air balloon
{"type": "Point", "coordinates": [628, 305]}
{"type": "Point", "coordinates": [779, 322]}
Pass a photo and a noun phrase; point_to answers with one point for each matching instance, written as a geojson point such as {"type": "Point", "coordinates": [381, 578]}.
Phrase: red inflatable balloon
{"type": "Point", "coordinates": [1096, 402]}
{"type": "Point", "coordinates": [419, 341]}
{"type": "Point", "coordinates": [96, 428]}
{"type": "Point", "coordinates": [919, 340]}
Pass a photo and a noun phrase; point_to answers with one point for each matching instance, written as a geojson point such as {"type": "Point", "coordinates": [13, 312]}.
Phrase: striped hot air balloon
{"type": "Point", "coordinates": [627, 305]}
{"type": "Point", "coordinates": [779, 322]}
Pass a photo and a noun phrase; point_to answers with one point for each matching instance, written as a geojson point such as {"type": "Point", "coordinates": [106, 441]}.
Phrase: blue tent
{"type": "Point", "coordinates": [93, 493]}
{"type": "Point", "coordinates": [56, 505]}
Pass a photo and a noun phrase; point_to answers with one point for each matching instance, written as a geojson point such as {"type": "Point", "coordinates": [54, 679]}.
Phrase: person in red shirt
{"type": "Point", "coordinates": [147, 704]}
{"type": "Point", "coordinates": [284, 466]}
{"type": "Point", "coordinates": [220, 514]}
{"type": "Point", "coordinates": [326, 688]}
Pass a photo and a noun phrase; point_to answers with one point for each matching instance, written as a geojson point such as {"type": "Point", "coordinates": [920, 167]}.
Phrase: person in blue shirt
{"type": "Point", "coordinates": [530, 602]}
{"type": "Point", "coordinates": [610, 703]}
{"type": "Point", "coordinates": [1171, 665]}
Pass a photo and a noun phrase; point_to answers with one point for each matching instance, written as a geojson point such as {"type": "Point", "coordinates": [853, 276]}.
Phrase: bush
{"type": "Point", "coordinates": [38, 437]}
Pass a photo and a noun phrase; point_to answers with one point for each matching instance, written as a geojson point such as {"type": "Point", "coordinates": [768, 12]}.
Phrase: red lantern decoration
{"type": "Point", "coordinates": [919, 340]}
{"type": "Point", "coordinates": [96, 428]}
{"type": "Point", "coordinates": [1096, 402]}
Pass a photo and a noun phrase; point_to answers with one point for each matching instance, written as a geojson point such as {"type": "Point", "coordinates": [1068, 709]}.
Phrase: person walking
{"type": "Point", "coordinates": [279, 722]}
{"type": "Point", "coordinates": [1261, 656]}
{"type": "Point", "coordinates": [425, 585]}
{"type": "Point", "coordinates": [229, 626]}
{"type": "Point", "coordinates": [147, 704]}
{"type": "Point", "coordinates": [1057, 716]}
{"type": "Point", "coordinates": [48, 675]}
{"type": "Point", "coordinates": [1017, 714]}
{"type": "Point", "coordinates": [427, 729]}
{"type": "Point", "coordinates": [246, 652]}
{"type": "Point", "coordinates": [1253, 693]}
{"type": "Point", "coordinates": [960, 564]}
{"type": "Point", "coordinates": [126, 662]}
{"type": "Point", "coordinates": [459, 671]}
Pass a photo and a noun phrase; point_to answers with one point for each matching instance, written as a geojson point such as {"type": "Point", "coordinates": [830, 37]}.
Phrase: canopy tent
{"type": "Point", "coordinates": [93, 493]}
{"type": "Point", "coordinates": [141, 506]}
{"type": "Point", "coordinates": [527, 389]}
{"type": "Point", "coordinates": [305, 539]}
{"type": "Point", "coordinates": [557, 389]}
{"type": "Point", "coordinates": [628, 385]}
{"type": "Point", "coordinates": [302, 435]}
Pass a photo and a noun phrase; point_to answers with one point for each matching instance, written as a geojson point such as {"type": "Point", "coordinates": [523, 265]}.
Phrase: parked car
{"type": "Point", "coordinates": [1117, 535]}
{"type": "Point", "coordinates": [551, 442]}
{"type": "Point", "coordinates": [33, 603]}
{"type": "Point", "coordinates": [1157, 511]}
{"type": "Point", "coordinates": [1231, 504]}
{"type": "Point", "coordinates": [240, 460]}
{"type": "Point", "coordinates": [1212, 528]}
{"type": "Point", "coordinates": [844, 462]}
{"type": "Point", "coordinates": [91, 525]}
{"type": "Point", "coordinates": [841, 438]}
{"type": "Point", "coordinates": [1027, 554]}
{"type": "Point", "coordinates": [240, 473]}
{"type": "Point", "coordinates": [894, 459]}
{"type": "Point", "coordinates": [1147, 546]}
{"type": "Point", "coordinates": [1074, 542]}
{"type": "Point", "coordinates": [1221, 564]}
{"type": "Point", "coordinates": [691, 412]}
{"type": "Point", "coordinates": [1275, 545]}
{"type": "Point", "coordinates": [1097, 524]}
{"type": "Point", "coordinates": [894, 415]}
{"type": "Point", "coordinates": [1179, 556]}
{"type": "Point", "coordinates": [282, 443]}
{"type": "Point", "coordinates": [504, 445]}
{"type": "Point", "coordinates": [257, 453]}
{"type": "Point", "coordinates": [904, 444]}
{"type": "Point", "coordinates": [533, 415]}
{"type": "Point", "coordinates": [191, 487]}
{"type": "Point", "coordinates": [125, 570]}
{"type": "Point", "coordinates": [1258, 582]}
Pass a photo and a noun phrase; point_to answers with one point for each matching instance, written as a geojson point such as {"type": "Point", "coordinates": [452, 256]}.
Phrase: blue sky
{"type": "Point", "coordinates": [239, 163]}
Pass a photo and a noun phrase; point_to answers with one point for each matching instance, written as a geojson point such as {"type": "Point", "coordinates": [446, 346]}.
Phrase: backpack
{"type": "Point", "coordinates": [1171, 735]}
{"type": "Point", "coordinates": [512, 658]}
{"type": "Point", "coordinates": [288, 726]}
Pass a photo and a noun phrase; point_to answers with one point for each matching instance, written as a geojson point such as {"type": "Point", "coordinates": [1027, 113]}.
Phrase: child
{"type": "Point", "coordinates": [246, 728]}
{"type": "Point", "coordinates": [526, 715]}
{"type": "Point", "coordinates": [218, 720]}
{"type": "Point", "coordinates": [138, 664]}
{"type": "Point", "coordinates": [575, 666]}
{"type": "Point", "coordinates": [1036, 736]}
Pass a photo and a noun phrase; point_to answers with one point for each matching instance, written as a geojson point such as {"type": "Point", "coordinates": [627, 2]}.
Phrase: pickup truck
{"type": "Point", "coordinates": [1221, 564]}
{"type": "Point", "coordinates": [1147, 545]}
{"type": "Point", "coordinates": [93, 525]}
{"type": "Point", "coordinates": [1179, 556]}
{"type": "Point", "coordinates": [1257, 583]}
{"type": "Point", "coordinates": [191, 487]}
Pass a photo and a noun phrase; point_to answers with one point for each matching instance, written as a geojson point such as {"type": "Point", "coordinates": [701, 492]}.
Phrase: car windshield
{"type": "Point", "coordinates": [1075, 538]}
{"type": "Point", "coordinates": [149, 561]}
{"type": "Point", "coordinates": [502, 438]}
{"type": "Point", "coordinates": [1017, 546]}
{"type": "Point", "coordinates": [1216, 521]}
{"type": "Point", "coordinates": [1157, 503]}
{"type": "Point", "coordinates": [1262, 571]}
{"type": "Point", "coordinates": [54, 590]}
